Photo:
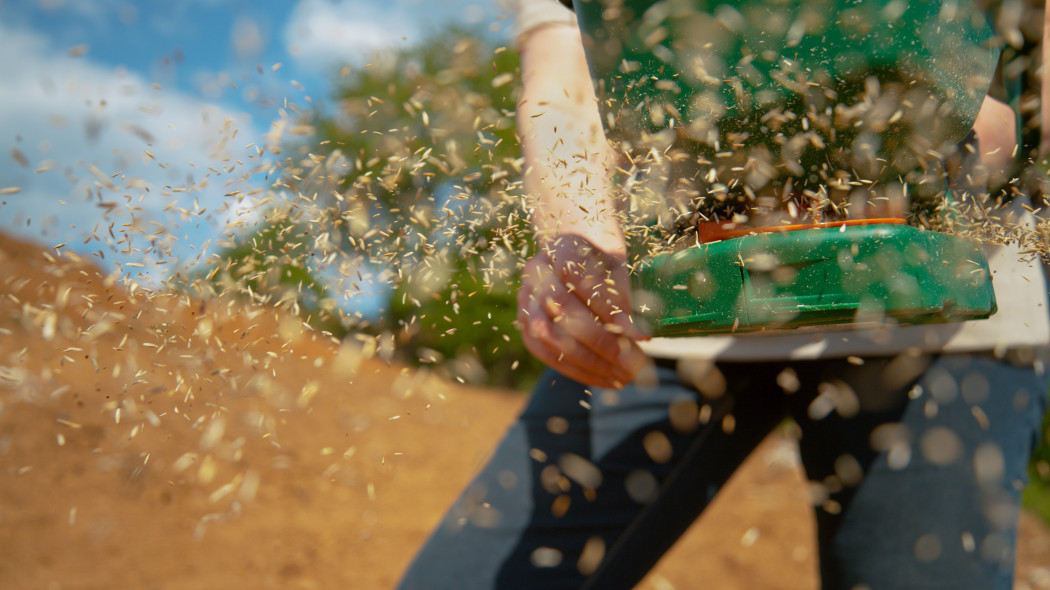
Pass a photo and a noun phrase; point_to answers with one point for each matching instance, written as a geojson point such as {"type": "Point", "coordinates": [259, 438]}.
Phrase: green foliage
{"type": "Point", "coordinates": [414, 170]}
{"type": "Point", "coordinates": [466, 325]}
{"type": "Point", "coordinates": [424, 124]}
{"type": "Point", "coordinates": [418, 172]}
{"type": "Point", "coordinates": [267, 264]}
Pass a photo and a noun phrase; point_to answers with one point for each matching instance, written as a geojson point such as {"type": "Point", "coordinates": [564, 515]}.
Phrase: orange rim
{"type": "Point", "coordinates": [714, 231]}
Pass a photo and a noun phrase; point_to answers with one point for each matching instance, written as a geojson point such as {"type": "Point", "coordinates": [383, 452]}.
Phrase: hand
{"type": "Point", "coordinates": [574, 311]}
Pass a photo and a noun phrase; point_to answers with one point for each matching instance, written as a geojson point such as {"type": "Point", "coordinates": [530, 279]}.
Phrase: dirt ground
{"type": "Point", "coordinates": [149, 441]}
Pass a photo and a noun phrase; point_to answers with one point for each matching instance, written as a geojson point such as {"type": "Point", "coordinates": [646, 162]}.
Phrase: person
{"type": "Point", "coordinates": [916, 438]}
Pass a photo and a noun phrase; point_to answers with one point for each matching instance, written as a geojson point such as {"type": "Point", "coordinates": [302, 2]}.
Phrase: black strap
{"type": "Point", "coordinates": [567, 3]}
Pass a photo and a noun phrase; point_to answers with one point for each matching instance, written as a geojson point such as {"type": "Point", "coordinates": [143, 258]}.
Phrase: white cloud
{"type": "Point", "coordinates": [322, 34]}
{"type": "Point", "coordinates": [95, 149]}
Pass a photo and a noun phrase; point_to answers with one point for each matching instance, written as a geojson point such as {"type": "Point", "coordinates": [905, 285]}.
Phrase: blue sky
{"type": "Point", "coordinates": [143, 120]}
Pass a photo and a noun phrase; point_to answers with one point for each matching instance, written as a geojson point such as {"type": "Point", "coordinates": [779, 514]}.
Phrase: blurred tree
{"type": "Point", "coordinates": [268, 264]}
{"type": "Point", "coordinates": [416, 170]}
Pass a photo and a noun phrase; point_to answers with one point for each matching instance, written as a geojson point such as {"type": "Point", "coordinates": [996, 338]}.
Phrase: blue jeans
{"type": "Point", "coordinates": [921, 461]}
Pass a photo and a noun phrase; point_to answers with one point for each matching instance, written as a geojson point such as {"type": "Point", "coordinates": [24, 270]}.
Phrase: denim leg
{"type": "Point", "coordinates": [750, 407]}
{"type": "Point", "coordinates": [937, 504]}
{"type": "Point", "coordinates": [589, 489]}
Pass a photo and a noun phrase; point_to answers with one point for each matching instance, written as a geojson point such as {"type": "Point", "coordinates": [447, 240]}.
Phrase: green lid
{"type": "Point", "coordinates": [872, 273]}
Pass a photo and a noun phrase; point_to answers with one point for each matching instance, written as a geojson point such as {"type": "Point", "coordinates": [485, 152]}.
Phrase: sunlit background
{"type": "Point", "coordinates": [154, 117]}
{"type": "Point", "coordinates": [258, 150]}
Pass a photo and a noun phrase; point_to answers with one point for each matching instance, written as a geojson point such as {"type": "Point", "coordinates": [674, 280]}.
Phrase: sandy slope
{"type": "Point", "coordinates": [149, 441]}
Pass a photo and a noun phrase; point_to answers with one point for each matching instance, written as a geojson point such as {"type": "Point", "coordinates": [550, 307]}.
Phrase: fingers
{"type": "Point", "coordinates": [588, 343]}
{"type": "Point", "coordinates": [576, 365]}
{"type": "Point", "coordinates": [571, 358]}
{"type": "Point", "coordinates": [572, 318]}
{"type": "Point", "coordinates": [610, 302]}
{"type": "Point", "coordinates": [549, 300]}
{"type": "Point", "coordinates": [597, 279]}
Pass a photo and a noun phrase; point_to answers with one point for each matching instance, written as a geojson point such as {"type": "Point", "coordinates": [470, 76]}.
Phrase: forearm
{"type": "Point", "coordinates": [568, 161]}
{"type": "Point", "coordinates": [996, 129]}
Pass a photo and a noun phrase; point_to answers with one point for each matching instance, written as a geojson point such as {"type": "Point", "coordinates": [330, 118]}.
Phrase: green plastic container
{"type": "Point", "coordinates": [698, 79]}
{"type": "Point", "coordinates": [815, 277]}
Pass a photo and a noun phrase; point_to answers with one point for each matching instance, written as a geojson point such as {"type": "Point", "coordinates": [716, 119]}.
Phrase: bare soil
{"type": "Point", "coordinates": [152, 441]}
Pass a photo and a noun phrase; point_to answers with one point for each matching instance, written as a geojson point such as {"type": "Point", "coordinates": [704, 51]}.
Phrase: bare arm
{"type": "Point", "coordinates": [996, 124]}
{"type": "Point", "coordinates": [574, 302]}
{"type": "Point", "coordinates": [567, 157]}
{"type": "Point", "coordinates": [996, 129]}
